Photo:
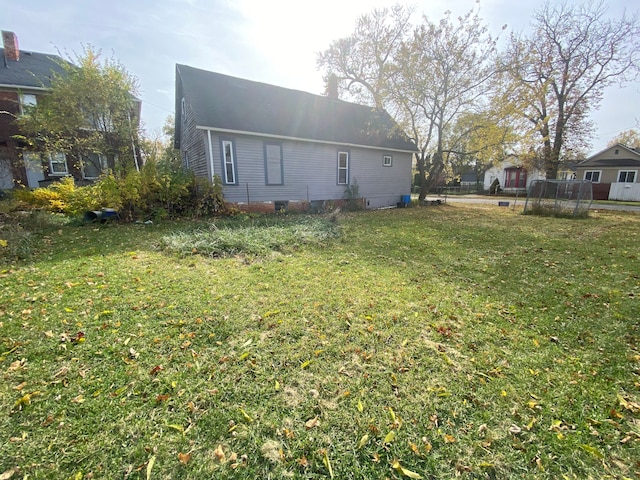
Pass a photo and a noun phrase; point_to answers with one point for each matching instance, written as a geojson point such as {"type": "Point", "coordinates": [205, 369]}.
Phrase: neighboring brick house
{"type": "Point", "coordinates": [276, 148]}
{"type": "Point", "coordinates": [24, 78]}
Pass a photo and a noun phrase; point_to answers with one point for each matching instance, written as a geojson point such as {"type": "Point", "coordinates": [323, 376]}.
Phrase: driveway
{"type": "Point", "coordinates": [519, 202]}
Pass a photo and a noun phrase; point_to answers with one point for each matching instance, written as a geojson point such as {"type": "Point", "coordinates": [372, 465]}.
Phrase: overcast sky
{"type": "Point", "coordinates": [272, 41]}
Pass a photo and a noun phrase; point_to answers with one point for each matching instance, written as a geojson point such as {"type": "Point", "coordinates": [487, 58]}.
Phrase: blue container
{"type": "Point", "coordinates": [406, 199]}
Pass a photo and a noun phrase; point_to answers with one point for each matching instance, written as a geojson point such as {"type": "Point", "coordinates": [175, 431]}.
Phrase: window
{"type": "Point", "coordinates": [628, 176]}
{"type": "Point", "coordinates": [386, 160]}
{"type": "Point", "coordinates": [94, 165]}
{"type": "Point", "coordinates": [58, 164]}
{"type": "Point", "coordinates": [593, 175]}
{"type": "Point", "coordinates": [273, 164]}
{"type": "Point", "coordinates": [343, 168]}
{"type": "Point", "coordinates": [228, 162]}
{"type": "Point", "coordinates": [27, 100]}
{"type": "Point", "coordinates": [515, 178]}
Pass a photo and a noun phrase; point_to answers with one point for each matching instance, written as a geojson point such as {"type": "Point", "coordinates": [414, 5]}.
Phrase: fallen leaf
{"type": "Point", "coordinates": [155, 370]}
{"type": "Point", "coordinates": [360, 406]}
{"type": "Point", "coordinates": [592, 450]}
{"type": "Point", "coordinates": [20, 387]}
{"type": "Point", "coordinates": [7, 475]}
{"type": "Point", "coordinates": [246, 416]}
{"type": "Point", "coordinates": [363, 441]}
{"type": "Point", "coordinates": [184, 458]}
{"type": "Point", "coordinates": [150, 463]}
{"type": "Point", "coordinates": [407, 473]}
{"type": "Point", "coordinates": [327, 463]}
{"type": "Point", "coordinates": [314, 422]}
{"type": "Point", "coordinates": [219, 454]}
{"type": "Point", "coordinates": [25, 400]}
{"type": "Point", "coordinates": [389, 437]}
{"type": "Point", "coordinates": [515, 430]}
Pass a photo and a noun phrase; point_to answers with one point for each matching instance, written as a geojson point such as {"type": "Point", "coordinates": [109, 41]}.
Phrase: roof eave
{"type": "Point", "coordinates": [300, 139]}
{"type": "Point", "coordinates": [23, 87]}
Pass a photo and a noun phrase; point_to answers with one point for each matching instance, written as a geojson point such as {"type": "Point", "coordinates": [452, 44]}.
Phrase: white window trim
{"type": "Point", "coordinates": [635, 175]}
{"type": "Point", "coordinates": [51, 170]}
{"type": "Point", "coordinates": [386, 163]}
{"type": "Point", "coordinates": [234, 180]}
{"type": "Point", "coordinates": [599, 172]}
{"type": "Point", "coordinates": [346, 168]}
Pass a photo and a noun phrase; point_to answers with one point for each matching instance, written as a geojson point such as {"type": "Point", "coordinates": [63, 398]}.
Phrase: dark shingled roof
{"type": "Point", "coordinates": [611, 162]}
{"type": "Point", "coordinates": [32, 70]}
{"type": "Point", "coordinates": [222, 102]}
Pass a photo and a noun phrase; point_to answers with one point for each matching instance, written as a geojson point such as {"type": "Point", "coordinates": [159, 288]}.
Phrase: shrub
{"type": "Point", "coordinates": [157, 191]}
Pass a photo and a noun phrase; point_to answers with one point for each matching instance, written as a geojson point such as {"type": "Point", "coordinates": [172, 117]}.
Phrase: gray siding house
{"type": "Point", "coordinates": [614, 173]}
{"type": "Point", "coordinates": [274, 147]}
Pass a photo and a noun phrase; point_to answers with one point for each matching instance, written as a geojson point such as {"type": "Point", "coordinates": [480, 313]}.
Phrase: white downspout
{"type": "Point", "coordinates": [210, 154]}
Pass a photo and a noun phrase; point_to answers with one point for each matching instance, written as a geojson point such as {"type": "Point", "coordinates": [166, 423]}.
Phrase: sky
{"type": "Point", "coordinates": [271, 41]}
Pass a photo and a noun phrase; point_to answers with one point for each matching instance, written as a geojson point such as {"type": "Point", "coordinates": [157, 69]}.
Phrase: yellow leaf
{"type": "Point", "coordinates": [389, 437]}
{"type": "Point", "coordinates": [246, 416]}
{"type": "Point", "coordinates": [150, 463]}
{"type": "Point", "coordinates": [277, 386]}
{"type": "Point", "coordinates": [4, 243]}
{"type": "Point", "coordinates": [305, 364]}
{"type": "Point", "coordinates": [360, 406]}
{"type": "Point", "coordinates": [531, 423]}
{"type": "Point", "coordinates": [327, 463]}
{"type": "Point", "coordinates": [592, 450]}
{"type": "Point", "coordinates": [178, 428]}
{"type": "Point", "coordinates": [392, 414]}
{"type": "Point", "coordinates": [407, 473]}
{"type": "Point", "coordinates": [363, 441]}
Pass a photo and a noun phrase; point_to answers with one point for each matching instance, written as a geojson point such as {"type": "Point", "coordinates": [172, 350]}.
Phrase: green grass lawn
{"type": "Point", "coordinates": [430, 342]}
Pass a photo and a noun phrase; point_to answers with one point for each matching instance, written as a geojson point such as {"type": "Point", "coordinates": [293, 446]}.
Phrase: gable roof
{"type": "Point", "coordinates": [628, 158]}
{"type": "Point", "coordinates": [235, 105]}
{"type": "Point", "coordinates": [33, 70]}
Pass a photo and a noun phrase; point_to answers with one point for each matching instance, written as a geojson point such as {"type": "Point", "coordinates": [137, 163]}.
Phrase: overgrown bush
{"type": "Point", "coordinates": [156, 191]}
{"type": "Point", "coordinates": [353, 201]}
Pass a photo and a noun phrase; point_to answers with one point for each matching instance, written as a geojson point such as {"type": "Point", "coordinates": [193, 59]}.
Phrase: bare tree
{"type": "Point", "coordinates": [557, 74]}
{"type": "Point", "coordinates": [363, 61]}
{"type": "Point", "coordinates": [443, 72]}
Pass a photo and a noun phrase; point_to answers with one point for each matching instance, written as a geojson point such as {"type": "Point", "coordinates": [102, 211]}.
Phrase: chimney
{"type": "Point", "coordinates": [332, 86]}
{"type": "Point", "coordinates": [10, 42]}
